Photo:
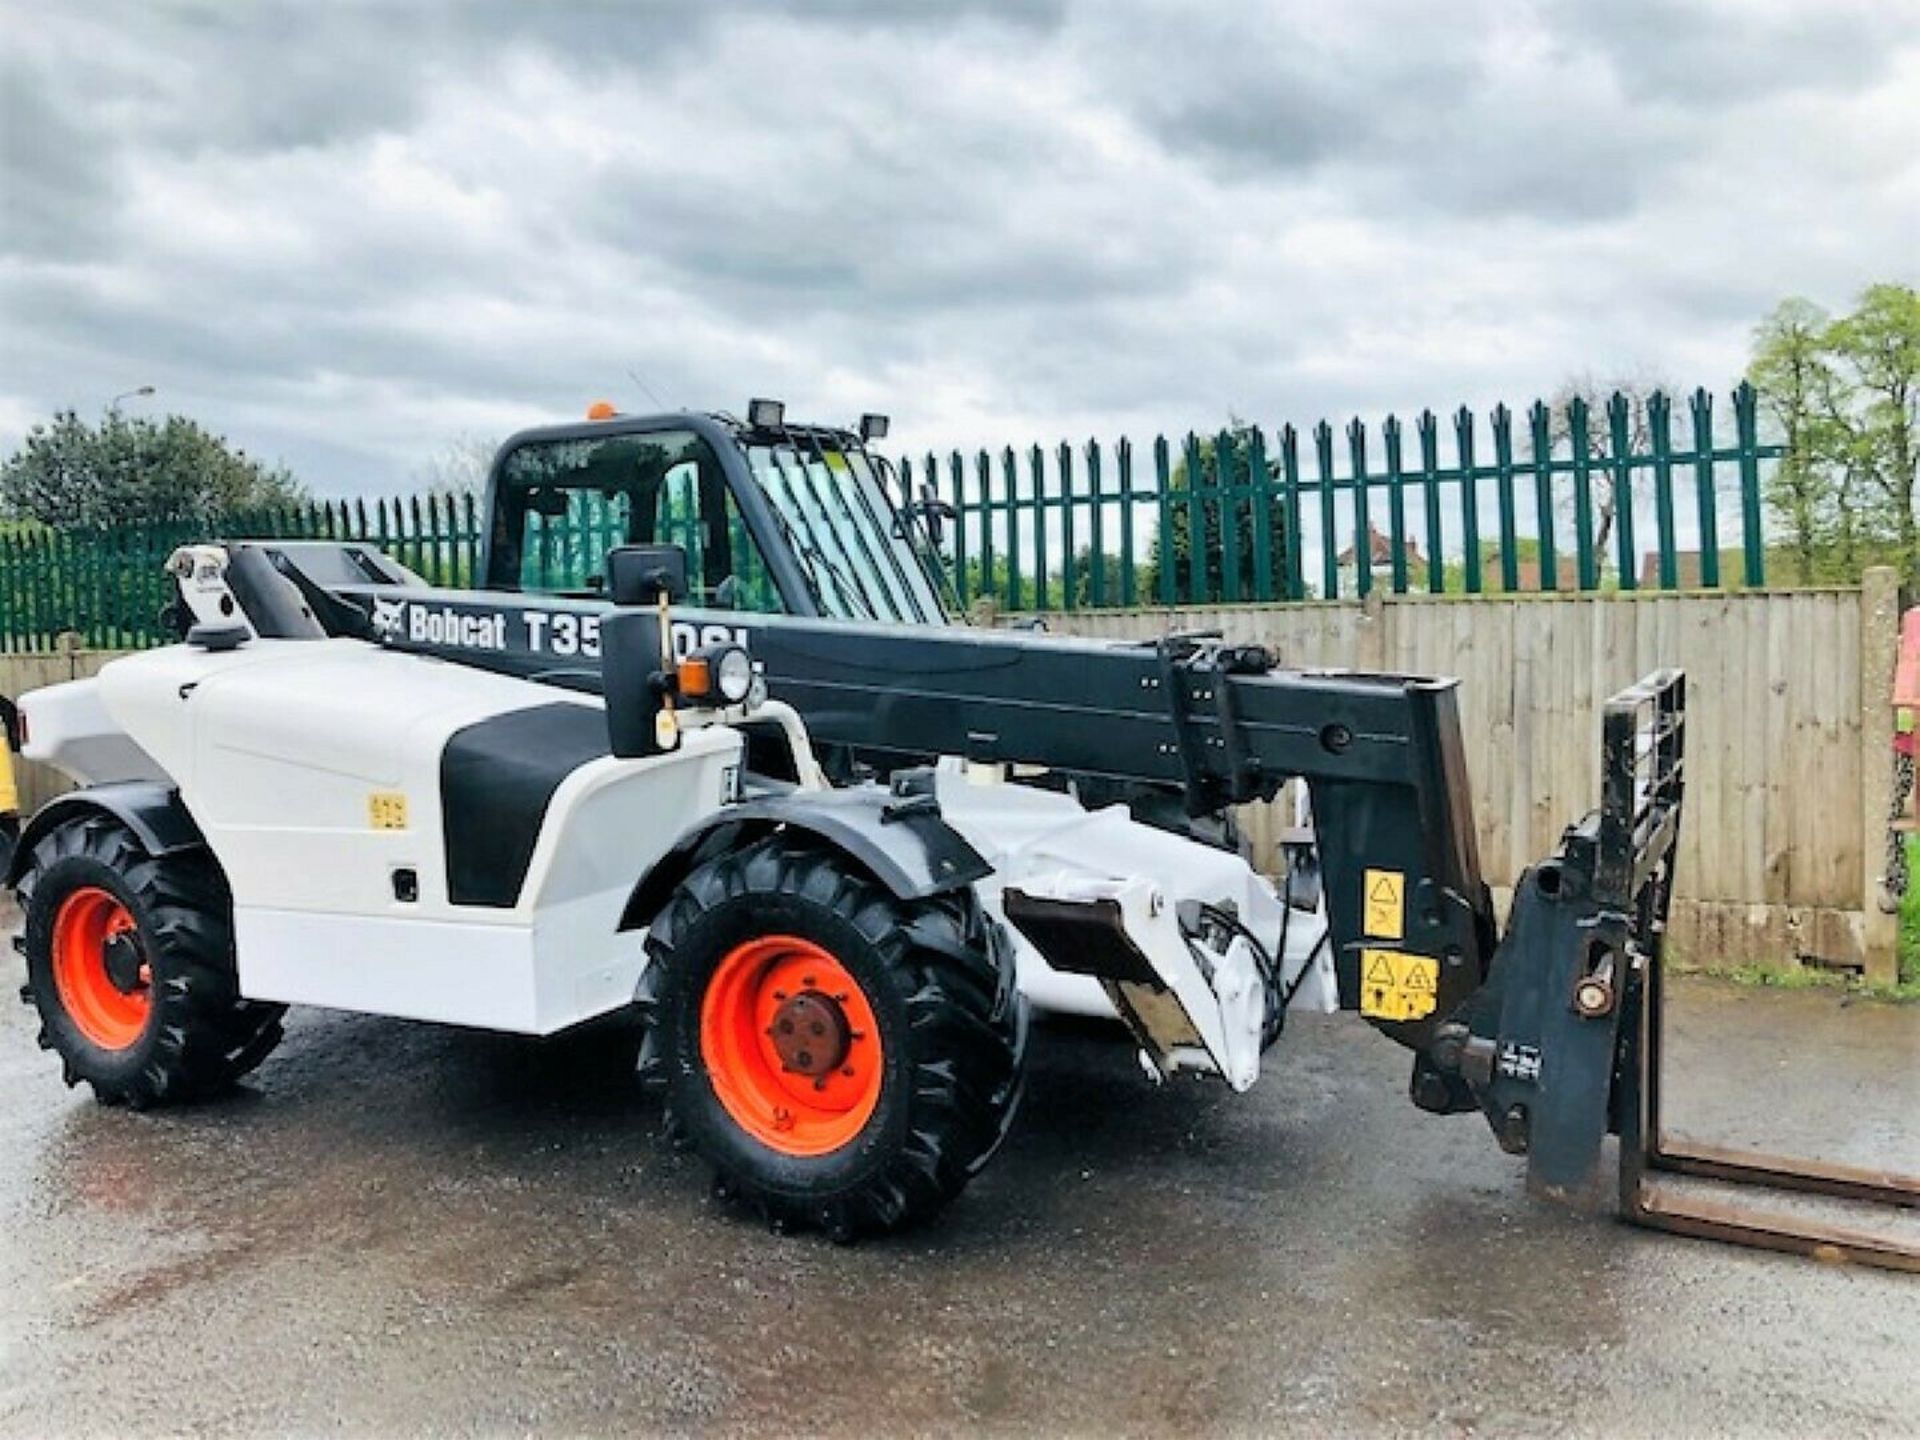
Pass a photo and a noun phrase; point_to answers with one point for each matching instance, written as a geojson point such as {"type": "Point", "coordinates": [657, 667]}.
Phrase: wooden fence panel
{"type": "Point", "coordinates": [1776, 855]}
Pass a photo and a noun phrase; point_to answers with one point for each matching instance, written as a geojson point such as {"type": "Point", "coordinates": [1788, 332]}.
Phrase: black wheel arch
{"type": "Point", "coordinates": [152, 811]}
{"type": "Point", "coordinates": [901, 841]}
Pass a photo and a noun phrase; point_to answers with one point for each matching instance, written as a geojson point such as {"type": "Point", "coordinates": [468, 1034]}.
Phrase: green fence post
{"type": "Point", "coordinates": [1097, 541]}
{"type": "Point", "coordinates": [1164, 578]}
{"type": "Point", "coordinates": [1064, 462]}
{"type": "Point", "coordinates": [1620, 443]}
{"type": "Point", "coordinates": [1540, 434]}
{"type": "Point", "coordinates": [440, 529]}
{"type": "Point", "coordinates": [1010, 472]}
{"type": "Point", "coordinates": [1396, 504]}
{"type": "Point", "coordinates": [1588, 565]}
{"type": "Point", "coordinates": [62, 577]}
{"type": "Point", "coordinates": [1295, 559]}
{"type": "Point", "coordinates": [983, 471]}
{"type": "Point", "coordinates": [446, 545]}
{"type": "Point", "coordinates": [1037, 472]}
{"type": "Point", "coordinates": [1329, 531]}
{"type": "Point", "coordinates": [129, 625]}
{"type": "Point", "coordinates": [1123, 461]}
{"type": "Point", "coordinates": [1747, 429]}
{"type": "Point", "coordinates": [1463, 440]}
{"type": "Point", "coordinates": [1705, 496]}
{"type": "Point", "coordinates": [1362, 509]}
{"type": "Point", "coordinates": [9, 602]}
{"type": "Point", "coordinates": [47, 597]}
{"type": "Point", "coordinates": [1226, 474]}
{"type": "Point", "coordinates": [1430, 484]}
{"type": "Point", "coordinates": [20, 594]}
{"type": "Point", "coordinates": [1197, 539]}
{"type": "Point", "coordinates": [957, 478]}
{"type": "Point", "coordinates": [43, 604]}
{"type": "Point", "coordinates": [470, 545]}
{"type": "Point", "coordinates": [1660, 438]}
{"type": "Point", "coordinates": [1503, 480]}
{"type": "Point", "coordinates": [85, 582]}
{"type": "Point", "coordinates": [1260, 508]}
{"type": "Point", "coordinates": [99, 545]}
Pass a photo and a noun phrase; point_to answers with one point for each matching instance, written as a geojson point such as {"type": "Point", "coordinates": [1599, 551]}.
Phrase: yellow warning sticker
{"type": "Point", "coordinates": [1397, 986]}
{"type": "Point", "coordinates": [1384, 903]}
{"type": "Point", "coordinates": [387, 810]}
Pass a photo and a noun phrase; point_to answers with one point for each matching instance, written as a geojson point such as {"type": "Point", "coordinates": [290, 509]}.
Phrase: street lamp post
{"type": "Point", "coordinates": [141, 392]}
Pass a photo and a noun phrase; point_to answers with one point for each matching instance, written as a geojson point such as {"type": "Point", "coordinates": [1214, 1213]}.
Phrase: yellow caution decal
{"type": "Point", "coordinates": [1397, 986]}
{"type": "Point", "coordinates": [387, 810]}
{"type": "Point", "coordinates": [9, 793]}
{"type": "Point", "coordinates": [1383, 896]}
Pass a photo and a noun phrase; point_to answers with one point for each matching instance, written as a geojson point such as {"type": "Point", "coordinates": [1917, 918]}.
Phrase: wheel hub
{"type": "Point", "coordinates": [121, 956]}
{"type": "Point", "coordinates": [103, 980]}
{"type": "Point", "coordinates": [791, 1046]}
{"type": "Point", "coordinates": [810, 1034]}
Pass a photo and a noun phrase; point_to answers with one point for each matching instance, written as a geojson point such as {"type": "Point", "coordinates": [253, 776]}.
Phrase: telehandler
{"type": "Point", "coordinates": [702, 743]}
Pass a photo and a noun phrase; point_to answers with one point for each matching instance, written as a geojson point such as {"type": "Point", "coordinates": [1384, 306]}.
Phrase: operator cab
{"type": "Point", "coordinates": [774, 518]}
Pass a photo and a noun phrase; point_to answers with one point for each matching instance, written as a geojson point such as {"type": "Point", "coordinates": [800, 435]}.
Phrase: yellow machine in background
{"type": "Point", "coordinates": [9, 787]}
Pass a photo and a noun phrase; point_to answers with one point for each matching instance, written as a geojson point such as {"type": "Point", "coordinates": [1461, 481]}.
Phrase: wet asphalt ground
{"type": "Point", "coordinates": [398, 1228]}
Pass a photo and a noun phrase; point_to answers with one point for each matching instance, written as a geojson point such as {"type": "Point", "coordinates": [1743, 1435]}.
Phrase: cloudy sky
{"type": "Point", "coordinates": [347, 234]}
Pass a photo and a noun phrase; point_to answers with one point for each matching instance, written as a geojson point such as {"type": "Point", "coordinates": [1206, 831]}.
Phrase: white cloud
{"type": "Point", "coordinates": [346, 234]}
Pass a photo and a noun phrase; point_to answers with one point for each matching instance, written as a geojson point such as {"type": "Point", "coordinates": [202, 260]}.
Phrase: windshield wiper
{"type": "Point", "coordinates": [811, 558]}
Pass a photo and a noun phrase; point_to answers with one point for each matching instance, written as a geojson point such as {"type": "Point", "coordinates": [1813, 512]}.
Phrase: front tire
{"type": "Point", "coordinates": [130, 965]}
{"type": "Point", "coordinates": [842, 1059]}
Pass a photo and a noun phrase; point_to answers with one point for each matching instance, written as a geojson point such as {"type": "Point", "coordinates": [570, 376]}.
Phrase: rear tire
{"type": "Point", "coordinates": [926, 1034]}
{"type": "Point", "coordinates": [130, 965]}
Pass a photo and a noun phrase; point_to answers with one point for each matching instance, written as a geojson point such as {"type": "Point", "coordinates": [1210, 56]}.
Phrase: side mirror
{"type": "Point", "coordinates": [933, 512]}
{"type": "Point", "coordinates": [641, 574]}
{"type": "Point", "coordinates": [873, 427]}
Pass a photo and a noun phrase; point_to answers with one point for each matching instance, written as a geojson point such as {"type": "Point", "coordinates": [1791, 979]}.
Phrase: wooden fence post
{"type": "Point", "coordinates": [1879, 653]}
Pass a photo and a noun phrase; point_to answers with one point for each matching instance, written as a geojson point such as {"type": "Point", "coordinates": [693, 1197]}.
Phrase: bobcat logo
{"type": "Point", "coordinates": [389, 618]}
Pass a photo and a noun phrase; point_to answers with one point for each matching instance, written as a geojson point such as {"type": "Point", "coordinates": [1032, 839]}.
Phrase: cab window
{"type": "Point", "coordinates": [562, 505]}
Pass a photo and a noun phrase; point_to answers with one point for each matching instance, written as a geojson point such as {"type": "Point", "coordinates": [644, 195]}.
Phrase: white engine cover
{"type": "Point", "coordinates": [313, 769]}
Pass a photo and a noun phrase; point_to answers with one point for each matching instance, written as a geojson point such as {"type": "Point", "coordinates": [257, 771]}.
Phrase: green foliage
{"type": "Point", "coordinates": [1845, 397]}
{"type": "Point", "coordinates": [125, 470]}
{"type": "Point", "coordinates": [1910, 920]}
{"type": "Point", "coordinates": [1238, 447]}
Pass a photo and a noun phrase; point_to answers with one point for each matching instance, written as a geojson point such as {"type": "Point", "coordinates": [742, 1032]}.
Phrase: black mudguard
{"type": "Point", "coordinates": [152, 811]}
{"type": "Point", "coordinates": [897, 836]}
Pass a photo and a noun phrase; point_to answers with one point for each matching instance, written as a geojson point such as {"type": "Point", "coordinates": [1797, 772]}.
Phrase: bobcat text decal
{"type": "Point", "coordinates": [563, 634]}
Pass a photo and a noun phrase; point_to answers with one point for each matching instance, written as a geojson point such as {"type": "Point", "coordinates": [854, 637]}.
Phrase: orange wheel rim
{"type": "Point", "coordinates": [100, 970]}
{"type": "Point", "coordinates": [790, 1045]}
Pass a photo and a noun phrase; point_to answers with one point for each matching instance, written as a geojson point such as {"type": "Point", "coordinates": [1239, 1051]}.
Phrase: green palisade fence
{"type": "Point", "coordinates": [1519, 501]}
{"type": "Point", "coordinates": [108, 586]}
{"type": "Point", "coordinates": [1240, 515]}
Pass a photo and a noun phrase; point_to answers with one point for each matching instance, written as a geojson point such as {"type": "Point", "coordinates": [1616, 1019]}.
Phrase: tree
{"type": "Point", "coordinates": [1595, 396]}
{"type": "Point", "coordinates": [1803, 392]}
{"type": "Point", "coordinates": [1845, 398]}
{"type": "Point", "coordinates": [1238, 444]}
{"type": "Point", "coordinates": [1879, 343]}
{"type": "Point", "coordinates": [459, 467]}
{"type": "Point", "coordinates": [136, 471]}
